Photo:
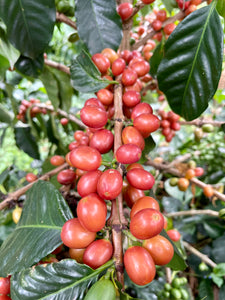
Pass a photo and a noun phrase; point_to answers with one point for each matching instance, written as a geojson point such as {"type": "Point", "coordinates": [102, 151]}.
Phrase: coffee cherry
{"type": "Point", "coordinates": [161, 15]}
{"type": "Point", "coordinates": [57, 160]}
{"type": "Point", "coordinates": [140, 179]}
{"type": "Point", "coordinates": [110, 54]}
{"type": "Point", "coordinates": [142, 203]}
{"type": "Point", "coordinates": [128, 154]}
{"type": "Point", "coordinates": [93, 116]}
{"type": "Point", "coordinates": [208, 191]}
{"type": "Point", "coordinates": [30, 177]}
{"type": "Point", "coordinates": [169, 28]}
{"type": "Point", "coordinates": [125, 10]}
{"type": "Point", "coordinates": [105, 96]}
{"type": "Point", "coordinates": [146, 223]}
{"type": "Point", "coordinates": [156, 25]}
{"type": "Point", "coordinates": [64, 121]}
{"type": "Point", "coordinates": [131, 98]}
{"type": "Point", "coordinates": [91, 212]}
{"type": "Point", "coordinates": [118, 66]}
{"type": "Point", "coordinates": [129, 77]}
{"type": "Point", "coordinates": [101, 62]}
{"type": "Point", "coordinates": [85, 158]}
{"type": "Point", "coordinates": [183, 184]}
{"type": "Point", "coordinates": [102, 140]}
{"type": "Point", "coordinates": [110, 184]}
{"type": "Point", "coordinates": [130, 135]}
{"type": "Point", "coordinates": [174, 235]}
{"type": "Point", "coordinates": [87, 183]}
{"type": "Point", "coordinates": [66, 177]}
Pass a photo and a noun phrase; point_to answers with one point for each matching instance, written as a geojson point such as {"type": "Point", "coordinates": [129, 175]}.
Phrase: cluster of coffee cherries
{"type": "Point", "coordinates": [98, 184]}
{"type": "Point", "coordinates": [169, 124]}
{"type": "Point", "coordinates": [175, 290]}
{"type": "Point", "coordinates": [25, 105]}
{"type": "Point", "coordinates": [184, 182]}
{"type": "Point", "coordinates": [5, 288]}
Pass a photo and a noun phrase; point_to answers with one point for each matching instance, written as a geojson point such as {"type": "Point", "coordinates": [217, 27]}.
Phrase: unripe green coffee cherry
{"type": "Point", "coordinates": [203, 267]}
{"type": "Point", "coordinates": [198, 134]}
{"type": "Point", "coordinates": [167, 286]}
{"type": "Point", "coordinates": [173, 181]}
{"type": "Point", "coordinates": [166, 295]}
{"type": "Point", "coordinates": [176, 294]}
{"type": "Point", "coordinates": [222, 213]}
{"type": "Point", "coordinates": [192, 164]}
{"type": "Point", "coordinates": [184, 294]}
{"type": "Point", "coordinates": [176, 283]}
{"type": "Point", "coordinates": [207, 128]}
{"type": "Point", "coordinates": [102, 290]}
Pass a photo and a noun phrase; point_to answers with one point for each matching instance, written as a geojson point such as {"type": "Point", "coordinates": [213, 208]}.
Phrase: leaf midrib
{"type": "Point", "coordinates": [26, 25]}
{"type": "Point", "coordinates": [197, 51]}
{"type": "Point", "coordinates": [38, 226]}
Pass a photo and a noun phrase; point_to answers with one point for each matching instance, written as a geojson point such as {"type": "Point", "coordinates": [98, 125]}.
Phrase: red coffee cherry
{"type": "Point", "coordinates": [128, 154]}
{"type": "Point", "coordinates": [160, 248]}
{"type": "Point", "coordinates": [91, 212]}
{"type": "Point", "coordinates": [87, 183]}
{"type": "Point", "coordinates": [110, 184]}
{"type": "Point", "coordinates": [85, 158]}
{"type": "Point", "coordinates": [140, 179]}
{"type": "Point", "coordinates": [129, 77]}
{"type": "Point", "coordinates": [57, 160]}
{"type": "Point", "coordinates": [118, 66]}
{"type": "Point", "coordinates": [146, 223]}
{"type": "Point", "coordinates": [139, 265]}
{"type": "Point", "coordinates": [131, 98]}
{"type": "Point", "coordinates": [101, 62]}
{"type": "Point", "coordinates": [98, 253]}
{"type": "Point", "coordinates": [66, 177]}
{"type": "Point", "coordinates": [93, 116]}
{"type": "Point", "coordinates": [74, 235]}
{"type": "Point", "coordinates": [125, 10]}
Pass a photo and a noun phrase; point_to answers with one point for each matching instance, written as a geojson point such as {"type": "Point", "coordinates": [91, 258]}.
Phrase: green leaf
{"type": "Point", "coordinates": [63, 280]}
{"type": "Point", "coordinates": [4, 65]}
{"type": "Point", "coordinates": [177, 263]}
{"type": "Point", "coordinates": [217, 280]}
{"type": "Point", "coordinates": [5, 115]}
{"type": "Point", "coordinates": [26, 142]}
{"type": "Point", "coordinates": [156, 58]}
{"type": "Point", "coordinates": [29, 24]}
{"type": "Point", "coordinates": [51, 85]}
{"type": "Point", "coordinates": [65, 89]}
{"type": "Point", "coordinates": [205, 290]}
{"type": "Point", "coordinates": [219, 269]}
{"type": "Point", "coordinates": [38, 231]}
{"type": "Point", "coordinates": [85, 76]}
{"type": "Point", "coordinates": [98, 24]}
{"type": "Point", "coordinates": [149, 146]}
{"type": "Point", "coordinates": [30, 67]}
{"type": "Point", "coordinates": [190, 71]}
{"type": "Point", "coordinates": [6, 49]}
{"type": "Point", "coordinates": [223, 127]}
{"type": "Point", "coordinates": [169, 5]}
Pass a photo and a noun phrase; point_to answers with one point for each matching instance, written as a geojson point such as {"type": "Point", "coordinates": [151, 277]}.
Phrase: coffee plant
{"type": "Point", "coordinates": [114, 110]}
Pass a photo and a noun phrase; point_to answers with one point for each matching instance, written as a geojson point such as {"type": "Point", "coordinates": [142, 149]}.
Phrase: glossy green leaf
{"type": "Point", "coordinates": [30, 67]}
{"type": "Point", "coordinates": [98, 24]}
{"type": "Point", "coordinates": [38, 232]}
{"type": "Point", "coordinates": [85, 76]}
{"type": "Point", "coordinates": [29, 24]}
{"type": "Point", "coordinates": [6, 49]}
{"type": "Point", "coordinates": [149, 146]}
{"type": "Point", "coordinates": [51, 85]}
{"type": "Point", "coordinates": [26, 141]}
{"type": "Point", "coordinates": [190, 71]}
{"type": "Point", "coordinates": [169, 4]}
{"type": "Point", "coordinates": [156, 58]}
{"type": "Point", "coordinates": [63, 280]}
{"type": "Point", "coordinates": [206, 290]}
{"type": "Point", "coordinates": [5, 115]}
{"type": "Point", "coordinates": [65, 89]}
